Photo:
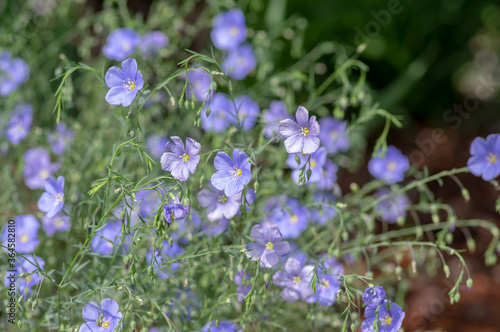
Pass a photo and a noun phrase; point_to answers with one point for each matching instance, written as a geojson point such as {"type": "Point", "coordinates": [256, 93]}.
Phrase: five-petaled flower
{"type": "Point", "coordinates": [295, 280]}
{"type": "Point", "coordinates": [229, 30]}
{"type": "Point", "coordinates": [374, 296]}
{"type": "Point", "coordinates": [101, 318]}
{"type": "Point", "coordinates": [485, 157]}
{"type": "Point", "coordinates": [232, 174]}
{"type": "Point", "coordinates": [390, 316]}
{"type": "Point", "coordinates": [174, 211]}
{"type": "Point", "coordinates": [181, 161]}
{"type": "Point", "coordinates": [52, 200]}
{"type": "Point", "coordinates": [123, 83]}
{"type": "Point", "coordinates": [301, 136]}
{"type": "Point", "coordinates": [26, 234]}
{"type": "Point", "coordinates": [268, 246]}
{"type": "Point", "coordinates": [121, 43]}
{"type": "Point", "coordinates": [218, 204]}
{"type": "Point", "coordinates": [391, 167]}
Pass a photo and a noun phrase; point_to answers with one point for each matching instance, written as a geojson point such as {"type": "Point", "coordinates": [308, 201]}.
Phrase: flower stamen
{"type": "Point", "coordinates": [269, 246]}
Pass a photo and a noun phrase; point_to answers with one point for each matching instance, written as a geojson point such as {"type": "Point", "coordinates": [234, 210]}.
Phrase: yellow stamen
{"type": "Point", "coordinates": [222, 199]}
{"type": "Point", "coordinates": [59, 198]}
{"type": "Point", "coordinates": [313, 163]}
{"type": "Point", "coordinates": [234, 31]}
{"type": "Point", "coordinates": [238, 172]}
{"type": "Point", "coordinates": [185, 157]}
{"type": "Point", "coordinates": [296, 279]}
{"type": "Point", "coordinates": [326, 283]}
{"type": "Point", "coordinates": [44, 174]}
{"type": "Point", "coordinates": [130, 84]}
{"type": "Point", "coordinates": [387, 320]}
{"type": "Point", "coordinates": [304, 131]}
{"type": "Point", "coordinates": [269, 246]}
{"type": "Point", "coordinates": [492, 158]}
{"type": "Point", "coordinates": [105, 323]}
{"type": "Point", "coordinates": [294, 218]}
{"type": "Point", "coordinates": [24, 239]}
{"type": "Point", "coordinates": [391, 166]}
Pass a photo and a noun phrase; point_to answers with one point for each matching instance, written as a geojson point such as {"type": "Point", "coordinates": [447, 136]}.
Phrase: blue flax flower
{"type": "Point", "coordinates": [58, 223]}
{"type": "Point", "coordinates": [326, 291]}
{"type": "Point", "coordinates": [229, 30]}
{"type": "Point", "coordinates": [13, 73]}
{"type": "Point", "coordinates": [199, 84]}
{"type": "Point", "coordinates": [391, 208]}
{"type": "Point", "coordinates": [291, 218]}
{"type": "Point", "coordinates": [156, 145]}
{"type": "Point", "coordinates": [218, 119]}
{"type": "Point", "coordinates": [181, 161]}
{"type": "Point", "coordinates": [37, 168]}
{"type": "Point", "coordinates": [151, 43]}
{"type": "Point", "coordinates": [121, 43]}
{"type": "Point", "coordinates": [295, 281]}
{"type": "Point", "coordinates": [333, 135]}
{"type": "Point", "coordinates": [224, 326]}
{"type": "Point", "coordinates": [390, 319]}
{"type": "Point", "coordinates": [175, 211]}
{"type": "Point", "coordinates": [242, 279]}
{"type": "Point", "coordinates": [246, 113]}
{"type": "Point", "coordinates": [26, 234]}
{"type": "Point", "coordinates": [272, 117]}
{"type": "Point", "coordinates": [124, 83]}
{"type": "Point", "coordinates": [20, 123]}
{"type": "Point", "coordinates": [232, 174]}
{"type": "Point", "coordinates": [374, 296]}
{"type": "Point", "coordinates": [23, 265]}
{"type": "Point", "coordinates": [328, 176]}
{"type": "Point", "coordinates": [166, 253]}
{"type": "Point", "coordinates": [391, 167]}
{"type": "Point", "coordinates": [105, 317]}
{"type": "Point", "coordinates": [301, 136]}
{"type": "Point", "coordinates": [325, 211]}
{"type": "Point", "coordinates": [218, 204]}
{"type": "Point", "coordinates": [62, 137]}
{"type": "Point", "coordinates": [268, 246]}
{"type": "Point", "coordinates": [317, 160]}
{"type": "Point", "coordinates": [106, 238]}
{"type": "Point", "coordinates": [240, 62]}
{"type": "Point", "coordinates": [52, 200]}
{"type": "Point", "coordinates": [485, 157]}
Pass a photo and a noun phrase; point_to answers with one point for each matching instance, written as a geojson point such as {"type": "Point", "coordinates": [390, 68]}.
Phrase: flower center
{"type": "Point", "coordinates": [294, 218]}
{"type": "Point", "coordinates": [313, 163]}
{"type": "Point", "coordinates": [44, 174]}
{"type": "Point", "coordinates": [24, 239]}
{"type": "Point", "coordinates": [222, 199]}
{"type": "Point", "coordinates": [391, 166]}
{"type": "Point", "coordinates": [185, 157]}
{"type": "Point", "coordinates": [234, 31]}
{"type": "Point", "coordinates": [334, 134]}
{"type": "Point", "coordinates": [269, 246]}
{"type": "Point", "coordinates": [172, 217]}
{"type": "Point", "coordinates": [387, 320]}
{"type": "Point", "coordinates": [326, 283]}
{"type": "Point", "coordinates": [492, 158]}
{"type": "Point", "coordinates": [130, 85]}
{"type": "Point", "coordinates": [304, 131]}
{"type": "Point", "coordinates": [59, 198]}
{"type": "Point", "coordinates": [237, 172]}
{"type": "Point", "coordinates": [296, 279]}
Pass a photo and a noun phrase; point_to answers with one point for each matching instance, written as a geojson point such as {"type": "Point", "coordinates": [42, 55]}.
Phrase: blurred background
{"type": "Point", "coordinates": [434, 62]}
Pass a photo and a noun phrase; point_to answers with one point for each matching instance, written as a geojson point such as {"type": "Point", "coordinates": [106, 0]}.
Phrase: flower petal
{"type": "Point", "coordinates": [311, 144]}
{"type": "Point", "coordinates": [129, 67]}
{"type": "Point", "coordinates": [90, 312]}
{"type": "Point", "coordinates": [259, 234]}
{"type": "Point", "coordinates": [223, 162]}
{"type": "Point", "coordinates": [288, 128]}
{"type": "Point", "coordinates": [294, 144]}
{"type": "Point", "coordinates": [302, 116]}
{"type": "Point", "coordinates": [282, 248]}
{"type": "Point", "coordinates": [192, 147]}
{"type": "Point", "coordinates": [115, 77]}
{"type": "Point", "coordinates": [115, 95]}
{"type": "Point", "coordinates": [219, 179]}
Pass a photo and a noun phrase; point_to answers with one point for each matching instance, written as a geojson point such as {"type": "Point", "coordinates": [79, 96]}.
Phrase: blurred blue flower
{"type": "Point", "coordinates": [218, 119]}
{"type": "Point", "coordinates": [199, 84]}
{"type": "Point", "coordinates": [268, 246]}
{"type": "Point", "coordinates": [218, 204]}
{"type": "Point", "coordinates": [240, 62]}
{"type": "Point", "coordinates": [37, 168]}
{"type": "Point", "coordinates": [333, 135]}
{"type": "Point", "coordinates": [229, 30]}
{"type": "Point", "coordinates": [272, 117]}
{"type": "Point", "coordinates": [181, 161]}
{"type": "Point", "coordinates": [317, 160]}
{"type": "Point", "coordinates": [26, 234]}
{"type": "Point", "coordinates": [326, 290]}
{"type": "Point", "coordinates": [52, 200]}
{"type": "Point", "coordinates": [485, 154]}
{"type": "Point", "coordinates": [325, 211]}
{"type": "Point", "coordinates": [58, 223]}
{"type": "Point", "coordinates": [242, 279]}
{"type": "Point", "coordinates": [295, 280]}
{"type": "Point", "coordinates": [246, 112]}
{"type": "Point", "coordinates": [13, 73]}
{"type": "Point", "coordinates": [105, 317]}
{"type": "Point", "coordinates": [151, 43]}
{"type": "Point", "coordinates": [23, 265]}
{"type": "Point", "coordinates": [124, 84]}
{"type": "Point", "coordinates": [391, 208]}
{"type": "Point", "coordinates": [175, 211]}
{"type": "Point", "coordinates": [301, 136]}
{"type": "Point", "coordinates": [232, 174]}
{"type": "Point", "coordinates": [374, 296]}
{"type": "Point", "coordinates": [224, 326]}
{"type": "Point", "coordinates": [166, 253]}
{"type": "Point", "coordinates": [20, 123]}
{"type": "Point", "coordinates": [106, 238]}
{"type": "Point", "coordinates": [390, 319]}
{"type": "Point", "coordinates": [391, 167]}
{"type": "Point", "coordinates": [121, 43]}
{"type": "Point", "coordinates": [61, 138]}
{"type": "Point", "coordinates": [291, 218]}
{"type": "Point", "coordinates": [156, 145]}
{"type": "Point", "coordinates": [328, 176]}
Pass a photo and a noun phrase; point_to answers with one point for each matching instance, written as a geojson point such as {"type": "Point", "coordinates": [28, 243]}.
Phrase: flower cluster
{"type": "Point", "coordinates": [381, 315]}
{"type": "Point", "coordinates": [122, 42]}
